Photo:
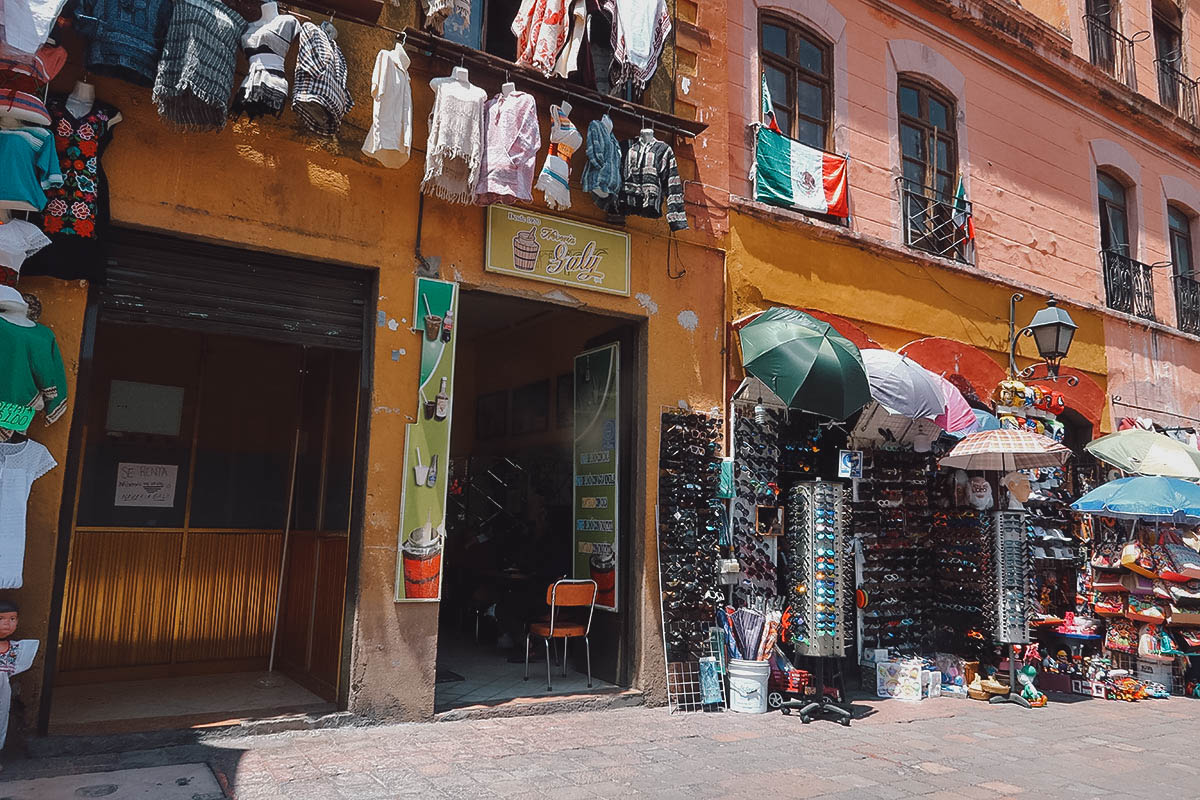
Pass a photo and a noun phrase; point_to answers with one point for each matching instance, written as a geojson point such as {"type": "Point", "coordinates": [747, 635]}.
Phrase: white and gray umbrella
{"type": "Point", "coordinates": [903, 386]}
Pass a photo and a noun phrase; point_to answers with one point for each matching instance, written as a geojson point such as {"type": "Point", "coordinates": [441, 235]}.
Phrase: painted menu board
{"type": "Point", "coordinates": [422, 535]}
{"type": "Point", "coordinates": [545, 248]}
{"type": "Point", "coordinates": [597, 466]}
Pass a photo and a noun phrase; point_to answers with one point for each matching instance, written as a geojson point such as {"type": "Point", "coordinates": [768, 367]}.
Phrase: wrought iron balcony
{"type": "Point", "coordinates": [1176, 91]}
{"type": "Point", "coordinates": [1110, 50]}
{"type": "Point", "coordinates": [1187, 303]}
{"type": "Point", "coordinates": [936, 222]}
{"type": "Point", "coordinates": [1128, 284]}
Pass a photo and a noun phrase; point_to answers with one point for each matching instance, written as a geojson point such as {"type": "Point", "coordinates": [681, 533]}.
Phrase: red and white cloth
{"type": "Point", "coordinates": [541, 28]}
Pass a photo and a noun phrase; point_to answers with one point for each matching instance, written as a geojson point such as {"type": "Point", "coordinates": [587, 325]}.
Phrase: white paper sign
{"type": "Point", "coordinates": [146, 485]}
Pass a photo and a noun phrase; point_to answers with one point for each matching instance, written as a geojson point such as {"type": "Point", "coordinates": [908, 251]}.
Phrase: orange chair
{"type": "Point", "coordinates": [565, 594]}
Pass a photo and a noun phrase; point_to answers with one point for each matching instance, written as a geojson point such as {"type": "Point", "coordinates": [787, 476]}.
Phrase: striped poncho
{"type": "Point", "coordinates": [196, 71]}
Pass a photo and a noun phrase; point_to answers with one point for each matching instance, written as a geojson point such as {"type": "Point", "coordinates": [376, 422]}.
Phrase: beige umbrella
{"type": "Point", "coordinates": [1005, 450]}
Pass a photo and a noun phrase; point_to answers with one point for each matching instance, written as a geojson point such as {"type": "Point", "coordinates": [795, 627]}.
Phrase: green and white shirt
{"type": "Point", "coordinates": [32, 376]}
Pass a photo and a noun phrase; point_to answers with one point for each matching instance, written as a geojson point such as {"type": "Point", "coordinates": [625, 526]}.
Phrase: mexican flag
{"type": "Point", "coordinates": [963, 220]}
{"type": "Point", "coordinates": [794, 175]}
{"type": "Point", "coordinates": [768, 107]}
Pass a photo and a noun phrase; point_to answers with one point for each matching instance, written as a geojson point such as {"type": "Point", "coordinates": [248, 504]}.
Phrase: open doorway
{"type": "Point", "coordinates": [510, 522]}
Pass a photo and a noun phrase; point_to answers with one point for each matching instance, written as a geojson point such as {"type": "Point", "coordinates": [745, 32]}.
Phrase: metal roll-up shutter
{"type": "Point", "coordinates": [177, 283]}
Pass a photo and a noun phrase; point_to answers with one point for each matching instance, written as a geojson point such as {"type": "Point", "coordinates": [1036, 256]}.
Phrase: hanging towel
{"type": "Point", "coordinates": [195, 73]}
{"type": "Point", "coordinates": [639, 30]}
{"type": "Point", "coordinates": [555, 178]}
{"type": "Point", "coordinates": [511, 142]}
{"type": "Point", "coordinates": [390, 138]}
{"type": "Point", "coordinates": [455, 146]}
{"type": "Point", "coordinates": [320, 97]}
{"type": "Point", "coordinates": [541, 28]}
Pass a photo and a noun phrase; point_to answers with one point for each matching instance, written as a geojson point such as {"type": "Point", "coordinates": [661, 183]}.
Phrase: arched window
{"type": "Point", "coordinates": [928, 141]}
{"type": "Point", "coordinates": [798, 66]}
{"type": "Point", "coordinates": [1114, 215]}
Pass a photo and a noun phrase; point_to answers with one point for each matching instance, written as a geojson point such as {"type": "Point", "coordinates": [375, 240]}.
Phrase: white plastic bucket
{"type": "Point", "coordinates": [748, 686]}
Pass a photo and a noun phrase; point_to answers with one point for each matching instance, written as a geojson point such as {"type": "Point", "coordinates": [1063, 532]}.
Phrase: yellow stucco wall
{"type": "Point", "coordinates": [895, 300]}
{"type": "Point", "coordinates": [271, 186]}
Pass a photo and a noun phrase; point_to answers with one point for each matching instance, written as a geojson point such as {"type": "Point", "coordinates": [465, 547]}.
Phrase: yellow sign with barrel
{"type": "Point", "coordinates": [545, 248]}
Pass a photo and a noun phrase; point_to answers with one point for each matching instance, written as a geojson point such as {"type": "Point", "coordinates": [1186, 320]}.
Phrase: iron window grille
{"type": "Point", "coordinates": [1111, 50]}
{"type": "Point", "coordinates": [1187, 303]}
{"type": "Point", "coordinates": [1128, 284]}
{"type": "Point", "coordinates": [1176, 91]}
{"type": "Point", "coordinates": [936, 222]}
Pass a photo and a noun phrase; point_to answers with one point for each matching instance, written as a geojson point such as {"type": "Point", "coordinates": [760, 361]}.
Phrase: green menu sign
{"type": "Point", "coordinates": [597, 465]}
{"type": "Point", "coordinates": [422, 534]}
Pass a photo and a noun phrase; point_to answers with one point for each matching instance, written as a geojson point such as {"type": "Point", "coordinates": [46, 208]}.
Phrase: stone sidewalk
{"type": "Point", "coordinates": [939, 748]}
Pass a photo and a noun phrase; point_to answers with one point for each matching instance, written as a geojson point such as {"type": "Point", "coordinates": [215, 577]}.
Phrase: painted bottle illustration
{"type": "Point", "coordinates": [447, 325]}
{"type": "Point", "coordinates": [441, 402]}
{"type": "Point", "coordinates": [423, 562]}
{"type": "Point", "coordinates": [526, 250]}
{"type": "Point", "coordinates": [431, 477]}
{"type": "Point", "coordinates": [603, 568]}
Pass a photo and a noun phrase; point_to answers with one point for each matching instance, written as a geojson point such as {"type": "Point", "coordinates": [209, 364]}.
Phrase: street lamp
{"type": "Point", "coordinates": [1052, 330]}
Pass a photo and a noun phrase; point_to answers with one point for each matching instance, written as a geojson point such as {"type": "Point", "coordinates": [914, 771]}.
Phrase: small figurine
{"type": "Point", "coordinates": [1029, 691]}
{"type": "Point", "coordinates": [15, 656]}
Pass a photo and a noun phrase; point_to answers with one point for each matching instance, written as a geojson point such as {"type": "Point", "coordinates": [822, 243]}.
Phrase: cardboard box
{"type": "Point", "coordinates": [1156, 671]}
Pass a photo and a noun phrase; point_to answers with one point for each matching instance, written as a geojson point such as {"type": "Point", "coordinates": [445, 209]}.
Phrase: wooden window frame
{"type": "Point", "coordinates": [930, 135]}
{"type": "Point", "coordinates": [1106, 221]}
{"type": "Point", "coordinates": [791, 67]}
{"type": "Point", "coordinates": [1181, 238]}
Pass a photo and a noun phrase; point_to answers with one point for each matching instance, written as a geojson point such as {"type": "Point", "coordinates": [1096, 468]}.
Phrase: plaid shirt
{"type": "Point", "coordinates": [195, 73]}
{"type": "Point", "coordinates": [319, 96]}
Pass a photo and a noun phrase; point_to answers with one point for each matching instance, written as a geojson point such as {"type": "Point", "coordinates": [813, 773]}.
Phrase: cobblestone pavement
{"type": "Point", "coordinates": [936, 749]}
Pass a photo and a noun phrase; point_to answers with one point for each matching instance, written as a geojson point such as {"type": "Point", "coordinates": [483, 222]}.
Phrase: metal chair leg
{"type": "Point", "coordinates": [564, 664]}
{"type": "Point", "coordinates": [587, 648]}
{"type": "Point", "coordinates": [527, 656]}
{"type": "Point", "coordinates": [548, 686]}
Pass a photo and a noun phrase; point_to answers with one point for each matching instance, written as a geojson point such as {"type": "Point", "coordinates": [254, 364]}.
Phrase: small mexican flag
{"type": "Point", "coordinates": [963, 220]}
{"type": "Point", "coordinates": [788, 173]}
{"type": "Point", "coordinates": [768, 107]}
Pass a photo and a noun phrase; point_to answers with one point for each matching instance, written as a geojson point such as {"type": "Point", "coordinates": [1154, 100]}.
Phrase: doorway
{"type": "Point", "coordinates": [510, 521]}
{"type": "Point", "coordinates": [216, 498]}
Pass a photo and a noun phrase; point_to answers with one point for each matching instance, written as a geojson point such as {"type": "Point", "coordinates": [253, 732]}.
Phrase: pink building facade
{"type": "Point", "coordinates": [1071, 125]}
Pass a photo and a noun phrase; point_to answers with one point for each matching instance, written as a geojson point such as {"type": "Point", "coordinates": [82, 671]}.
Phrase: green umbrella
{"type": "Point", "coordinates": [1147, 453]}
{"type": "Point", "coordinates": [807, 363]}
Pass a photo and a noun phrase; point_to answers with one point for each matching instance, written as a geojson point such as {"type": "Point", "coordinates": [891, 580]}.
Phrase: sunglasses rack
{"type": "Point", "coordinates": [690, 520]}
{"type": "Point", "coordinates": [756, 486]}
{"type": "Point", "coordinates": [1012, 577]}
{"type": "Point", "coordinates": [964, 607]}
{"type": "Point", "coordinates": [891, 519]}
{"type": "Point", "coordinates": [816, 521]}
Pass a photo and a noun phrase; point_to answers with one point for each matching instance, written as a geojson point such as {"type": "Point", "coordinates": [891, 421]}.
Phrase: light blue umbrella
{"type": "Point", "coordinates": [984, 421]}
{"type": "Point", "coordinates": [1144, 496]}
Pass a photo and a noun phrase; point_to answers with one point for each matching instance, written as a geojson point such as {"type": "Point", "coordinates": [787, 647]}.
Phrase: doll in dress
{"type": "Point", "coordinates": [16, 655]}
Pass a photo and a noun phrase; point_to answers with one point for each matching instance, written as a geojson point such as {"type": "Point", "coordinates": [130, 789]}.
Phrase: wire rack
{"type": "Point", "coordinates": [685, 691]}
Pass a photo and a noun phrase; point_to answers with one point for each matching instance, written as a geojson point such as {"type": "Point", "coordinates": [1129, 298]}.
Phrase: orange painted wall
{"type": "Point", "coordinates": [269, 185]}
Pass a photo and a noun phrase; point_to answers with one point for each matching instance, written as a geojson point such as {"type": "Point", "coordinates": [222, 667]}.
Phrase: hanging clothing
{"type": "Point", "coordinates": [455, 147]}
{"type": "Point", "coordinates": [650, 180]}
{"type": "Point", "coordinates": [195, 73]}
{"type": "Point", "coordinates": [511, 143]}
{"type": "Point", "coordinates": [18, 241]}
{"type": "Point", "coordinates": [28, 167]}
{"type": "Point", "coordinates": [320, 97]}
{"type": "Point", "coordinates": [124, 39]}
{"type": "Point", "coordinates": [26, 24]}
{"type": "Point", "coordinates": [602, 172]}
{"type": "Point", "coordinates": [576, 24]}
{"type": "Point", "coordinates": [264, 90]}
{"type": "Point", "coordinates": [76, 215]}
{"type": "Point", "coordinates": [639, 30]}
{"type": "Point", "coordinates": [541, 28]}
{"type": "Point", "coordinates": [555, 177]}
{"type": "Point", "coordinates": [389, 140]}
{"type": "Point", "coordinates": [18, 659]}
{"type": "Point", "coordinates": [32, 376]}
{"type": "Point", "coordinates": [20, 465]}
{"type": "Point", "coordinates": [32, 73]}
{"type": "Point", "coordinates": [23, 107]}
{"type": "Point", "coordinates": [437, 11]}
